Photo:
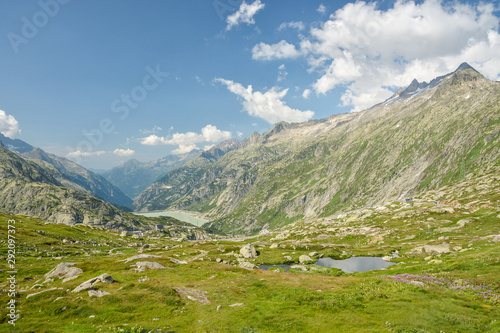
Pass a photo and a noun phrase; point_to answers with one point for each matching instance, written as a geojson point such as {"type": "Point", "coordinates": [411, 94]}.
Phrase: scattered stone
{"type": "Point", "coordinates": [248, 251]}
{"type": "Point", "coordinates": [98, 293]}
{"type": "Point", "coordinates": [387, 258]}
{"type": "Point", "coordinates": [43, 291]}
{"type": "Point", "coordinates": [247, 265]}
{"type": "Point", "coordinates": [65, 271]}
{"type": "Point", "coordinates": [274, 246]}
{"type": "Point", "coordinates": [236, 304]}
{"type": "Point", "coordinates": [283, 235]}
{"type": "Point", "coordinates": [435, 262]}
{"type": "Point", "coordinates": [496, 239]}
{"type": "Point", "coordinates": [302, 268]}
{"type": "Point", "coordinates": [442, 248]}
{"type": "Point", "coordinates": [89, 284]}
{"type": "Point", "coordinates": [463, 222]}
{"type": "Point", "coordinates": [144, 279]}
{"type": "Point", "coordinates": [125, 234]}
{"type": "Point", "coordinates": [288, 258]}
{"type": "Point", "coordinates": [193, 294]}
{"type": "Point", "coordinates": [313, 254]}
{"type": "Point", "coordinates": [304, 259]}
{"type": "Point", "coordinates": [141, 256]}
{"type": "Point", "coordinates": [177, 261]}
{"type": "Point", "coordinates": [218, 307]}
{"type": "Point", "coordinates": [219, 260]}
{"type": "Point", "coordinates": [149, 264]}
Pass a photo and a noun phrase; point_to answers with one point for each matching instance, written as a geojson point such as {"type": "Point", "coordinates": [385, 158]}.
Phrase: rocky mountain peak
{"type": "Point", "coordinates": [416, 87]}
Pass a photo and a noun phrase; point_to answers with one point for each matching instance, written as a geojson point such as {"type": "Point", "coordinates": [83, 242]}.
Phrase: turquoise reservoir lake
{"type": "Point", "coordinates": [188, 217]}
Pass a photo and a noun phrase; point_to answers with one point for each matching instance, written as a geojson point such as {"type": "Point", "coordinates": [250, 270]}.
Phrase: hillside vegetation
{"type": "Point", "coordinates": [417, 141]}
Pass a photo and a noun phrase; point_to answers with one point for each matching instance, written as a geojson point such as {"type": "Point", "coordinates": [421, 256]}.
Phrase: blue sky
{"type": "Point", "coordinates": [101, 82]}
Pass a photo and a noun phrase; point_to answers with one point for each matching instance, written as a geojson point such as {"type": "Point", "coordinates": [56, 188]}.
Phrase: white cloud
{"type": "Point", "coordinates": [240, 134]}
{"type": "Point", "coordinates": [365, 50]}
{"type": "Point", "coordinates": [124, 152]}
{"type": "Point", "coordinates": [8, 125]}
{"type": "Point", "coordinates": [282, 73]}
{"type": "Point", "coordinates": [293, 25]}
{"type": "Point", "coordinates": [208, 147]}
{"type": "Point", "coordinates": [269, 105]}
{"type": "Point", "coordinates": [210, 133]}
{"type": "Point", "coordinates": [244, 14]}
{"type": "Point", "coordinates": [187, 138]}
{"type": "Point", "coordinates": [79, 153]}
{"type": "Point", "coordinates": [199, 80]}
{"type": "Point", "coordinates": [321, 9]}
{"type": "Point", "coordinates": [155, 129]}
{"type": "Point", "coordinates": [281, 50]}
{"type": "Point", "coordinates": [184, 149]}
{"type": "Point", "coordinates": [188, 141]}
{"type": "Point", "coordinates": [306, 93]}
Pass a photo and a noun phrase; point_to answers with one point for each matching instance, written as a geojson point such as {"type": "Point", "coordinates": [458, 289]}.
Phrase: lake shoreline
{"type": "Point", "coordinates": [194, 218]}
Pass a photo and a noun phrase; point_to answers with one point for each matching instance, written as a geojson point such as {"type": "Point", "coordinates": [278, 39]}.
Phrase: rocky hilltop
{"type": "Point", "coordinates": [69, 173]}
{"type": "Point", "coordinates": [427, 137]}
{"type": "Point", "coordinates": [30, 188]}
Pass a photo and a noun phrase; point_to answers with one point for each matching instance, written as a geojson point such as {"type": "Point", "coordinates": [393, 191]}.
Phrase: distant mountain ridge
{"type": "Point", "coordinates": [30, 188]}
{"type": "Point", "coordinates": [436, 135]}
{"type": "Point", "coordinates": [133, 176]}
{"type": "Point", "coordinates": [70, 174]}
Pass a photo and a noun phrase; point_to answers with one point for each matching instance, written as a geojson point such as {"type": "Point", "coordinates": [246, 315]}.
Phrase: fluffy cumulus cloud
{"type": "Point", "coordinates": [292, 25]}
{"type": "Point", "coordinates": [268, 105]}
{"type": "Point", "coordinates": [244, 14]}
{"type": "Point", "coordinates": [186, 142]}
{"type": "Point", "coordinates": [124, 152]}
{"type": "Point", "coordinates": [306, 93]}
{"type": "Point", "coordinates": [281, 50]}
{"type": "Point", "coordinates": [366, 50]}
{"type": "Point", "coordinates": [184, 149]}
{"type": "Point", "coordinates": [8, 125]}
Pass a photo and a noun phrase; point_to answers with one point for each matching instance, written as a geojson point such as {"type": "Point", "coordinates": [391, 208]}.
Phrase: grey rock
{"type": "Point", "coordinates": [64, 270]}
{"type": "Point", "coordinates": [98, 293]}
{"type": "Point", "coordinates": [247, 265]}
{"type": "Point", "coordinates": [248, 251]}
{"type": "Point", "coordinates": [141, 256]}
{"type": "Point", "coordinates": [304, 259]}
{"type": "Point", "coordinates": [302, 268]}
{"type": "Point", "coordinates": [89, 284]}
{"type": "Point", "coordinates": [149, 264]}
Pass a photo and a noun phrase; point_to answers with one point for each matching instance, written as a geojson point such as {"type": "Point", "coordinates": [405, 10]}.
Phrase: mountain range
{"type": "Point", "coordinates": [424, 137]}
{"type": "Point", "coordinates": [133, 177]}
{"type": "Point", "coordinates": [70, 174]}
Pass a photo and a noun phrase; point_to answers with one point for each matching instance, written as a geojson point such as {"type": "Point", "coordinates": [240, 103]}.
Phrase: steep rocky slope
{"type": "Point", "coordinates": [68, 173]}
{"type": "Point", "coordinates": [418, 140]}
